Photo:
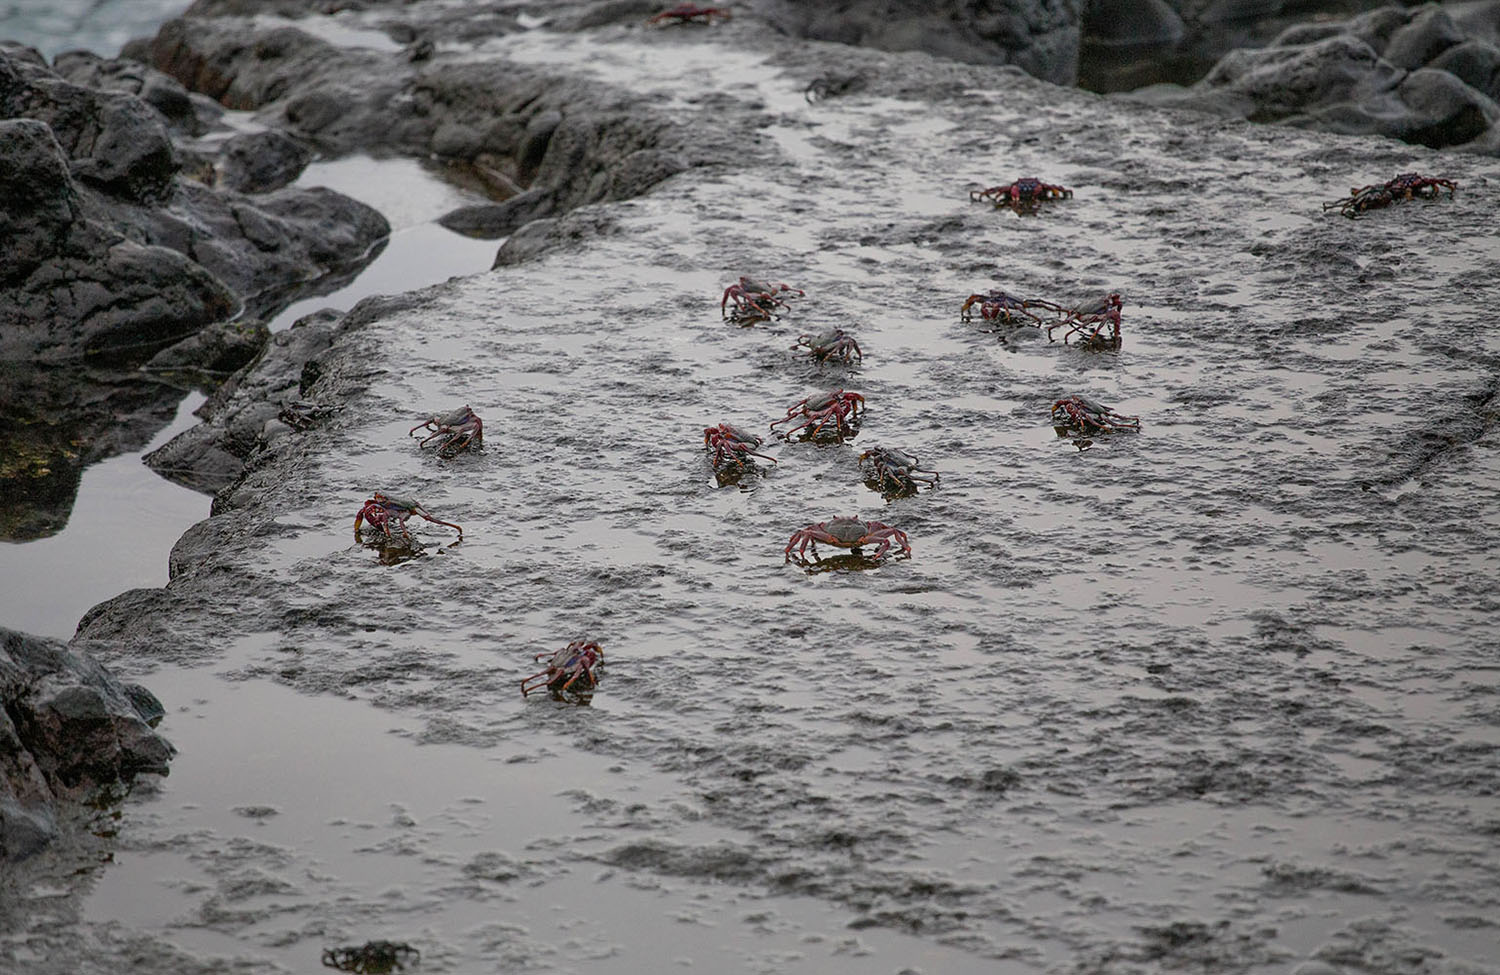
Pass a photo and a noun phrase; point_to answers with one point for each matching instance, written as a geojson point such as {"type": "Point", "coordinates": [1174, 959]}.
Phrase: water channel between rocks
{"type": "Point", "coordinates": [47, 584]}
{"type": "Point", "coordinates": [1217, 697]}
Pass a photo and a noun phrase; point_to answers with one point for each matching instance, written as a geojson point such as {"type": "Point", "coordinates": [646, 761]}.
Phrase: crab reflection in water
{"type": "Point", "coordinates": [372, 957]}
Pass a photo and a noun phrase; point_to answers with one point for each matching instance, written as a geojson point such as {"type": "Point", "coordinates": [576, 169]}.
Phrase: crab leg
{"type": "Point", "coordinates": [541, 673]}
{"type": "Point", "coordinates": [435, 521]}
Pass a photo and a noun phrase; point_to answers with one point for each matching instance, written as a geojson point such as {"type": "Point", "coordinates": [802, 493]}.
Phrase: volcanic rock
{"type": "Point", "coordinates": [68, 731]}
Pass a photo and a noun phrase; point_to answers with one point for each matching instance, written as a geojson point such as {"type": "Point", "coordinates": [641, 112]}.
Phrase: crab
{"type": "Point", "coordinates": [301, 415]}
{"type": "Point", "coordinates": [832, 344]}
{"type": "Point", "coordinates": [1099, 319]}
{"type": "Point", "coordinates": [998, 305]}
{"type": "Point", "coordinates": [832, 86]}
{"type": "Point", "coordinates": [1404, 187]}
{"type": "Point", "coordinates": [894, 471]}
{"type": "Point", "coordinates": [1024, 191]}
{"type": "Point", "coordinates": [839, 407]}
{"type": "Point", "coordinates": [1083, 415]}
{"type": "Point", "coordinates": [729, 443]}
{"type": "Point", "coordinates": [578, 660]}
{"type": "Point", "coordinates": [685, 13]}
{"type": "Point", "coordinates": [372, 957]}
{"type": "Point", "coordinates": [755, 300]}
{"type": "Point", "coordinates": [381, 510]}
{"type": "Point", "coordinates": [850, 533]}
{"type": "Point", "coordinates": [459, 430]}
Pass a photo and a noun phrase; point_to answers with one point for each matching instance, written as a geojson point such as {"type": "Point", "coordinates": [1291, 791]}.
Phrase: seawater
{"type": "Point", "coordinates": [101, 26]}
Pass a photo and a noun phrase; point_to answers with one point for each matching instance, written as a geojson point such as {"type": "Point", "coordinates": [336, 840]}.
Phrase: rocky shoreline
{"type": "Point", "coordinates": [637, 196]}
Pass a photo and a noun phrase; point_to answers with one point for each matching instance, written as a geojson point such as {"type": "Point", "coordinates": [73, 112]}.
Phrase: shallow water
{"type": "Point", "coordinates": [123, 524]}
{"type": "Point", "coordinates": [101, 26]}
{"type": "Point", "coordinates": [1217, 696]}
{"type": "Point", "coordinates": [46, 585]}
{"type": "Point", "coordinates": [419, 252]}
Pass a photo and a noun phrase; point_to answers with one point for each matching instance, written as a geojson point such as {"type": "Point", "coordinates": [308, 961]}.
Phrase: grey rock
{"type": "Point", "coordinates": [217, 350]}
{"type": "Point", "coordinates": [146, 704]}
{"type": "Point", "coordinates": [1039, 36]}
{"type": "Point", "coordinates": [1443, 111]}
{"type": "Point", "coordinates": [605, 12]}
{"type": "Point", "coordinates": [1428, 34]}
{"type": "Point", "coordinates": [211, 456]}
{"type": "Point", "coordinates": [1129, 23]}
{"type": "Point", "coordinates": [1282, 81]}
{"type": "Point", "coordinates": [570, 231]}
{"type": "Point", "coordinates": [112, 140]}
{"type": "Point", "coordinates": [68, 731]}
{"type": "Point", "coordinates": [1385, 72]}
{"type": "Point", "coordinates": [241, 67]}
{"type": "Point", "coordinates": [41, 204]}
{"type": "Point", "coordinates": [1476, 63]}
{"type": "Point", "coordinates": [534, 141]}
{"type": "Point", "coordinates": [457, 141]}
{"type": "Point", "coordinates": [270, 248]}
{"type": "Point", "coordinates": [492, 221]}
{"type": "Point", "coordinates": [1377, 26]}
{"type": "Point", "coordinates": [95, 210]}
{"type": "Point", "coordinates": [255, 162]}
{"type": "Point", "coordinates": [24, 830]}
{"type": "Point", "coordinates": [181, 110]}
{"type": "Point", "coordinates": [81, 289]}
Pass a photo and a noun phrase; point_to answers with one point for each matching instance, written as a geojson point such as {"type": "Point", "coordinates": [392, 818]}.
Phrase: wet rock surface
{"type": "Point", "coordinates": [68, 731]}
{"type": "Point", "coordinates": [244, 414]}
{"type": "Point", "coordinates": [1038, 36]}
{"type": "Point", "coordinates": [76, 287]}
{"type": "Point", "coordinates": [113, 255]}
{"type": "Point", "coordinates": [502, 118]}
{"type": "Point", "coordinates": [1213, 696]}
{"type": "Point", "coordinates": [1127, 44]}
{"type": "Point", "coordinates": [1426, 75]}
{"type": "Point", "coordinates": [95, 200]}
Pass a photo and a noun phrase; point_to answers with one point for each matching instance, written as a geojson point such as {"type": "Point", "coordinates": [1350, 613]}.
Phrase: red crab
{"type": "Point", "coordinates": [839, 407]}
{"type": "Point", "coordinates": [832, 344]}
{"type": "Point", "coordinates": [685, 13]}
{"type": "Point", "coordinates": [578, 660]}
{"type": "Point", "coordinates": [850, 533]}
{"type": "Point", "coordinates": [997, 305]}
{"type": "Point", "coordinates": [1403, 187]}
{"type": "Point", "coordinates": [1083, 415]}
{"type": "Point", "coordinates": [895, 472]}
{"type": "Point", "coordinates": [730, 443]}
{"type": "Point", "coordinates": [381, 510]}
{"type": "Point", "coordinates": [1027, 189]}
{"type": "Point", "coordinates": [460, 428]}
{"type": "Point", "coordinates": [1100, 320]}
{"type": "Point", "coordinates": [755, 300]}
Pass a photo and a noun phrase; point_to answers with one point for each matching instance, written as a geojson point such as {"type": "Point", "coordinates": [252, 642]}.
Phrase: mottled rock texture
{"type": "Point", "coordinates": [68, 731]}
{"type": "Point", "coordinates": [116, 253]}
{"type": "Point", "coordinates": [1429, 76]}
